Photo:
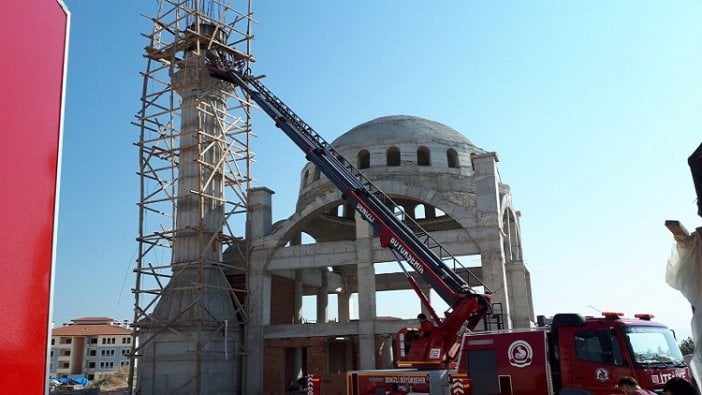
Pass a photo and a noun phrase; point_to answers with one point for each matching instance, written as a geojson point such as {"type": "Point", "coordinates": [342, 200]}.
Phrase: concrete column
{"type": "Point", "coordinates": [260, 212]}
{"type": "Point", "coordinates": [297, 319]}
{"type": "Point", "coordinates": [520, 295]}
{"type": "Point", "coordinates": [518, 237]}
{"type": "Point", "coordinates": [259, 284]}
{"type": "Point", "coordinates": [259, 301]}
{"type": "Point", "coordinates": [344, 306]}
{"type": "Point", "coordinates": [297, 363]}
{"type": "Point", "coordinates": [386, 353]}
{"type": "Point", "coordinates": [507, 231]}
{"type": "Point", "coordinates": [323, 297]}
{"type": "Point", "coordinates": [487, 194]}
{"type": "Point", "coordinates": [349, 211]}
{"type": "Point", "coordinates": [366, 294]}
{"type": "Point", "coordinates": [409, 210]}
{"type": "Point", "coordinates": [429, 211]}
{"type": "Point", "coordinates": [297, 298]}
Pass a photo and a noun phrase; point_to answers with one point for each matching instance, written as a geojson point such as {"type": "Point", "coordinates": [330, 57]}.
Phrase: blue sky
{"type": "Point", "coordinates": [592, 107]}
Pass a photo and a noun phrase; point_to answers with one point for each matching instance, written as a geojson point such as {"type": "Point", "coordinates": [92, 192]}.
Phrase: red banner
{"type": "Point", "coordinates": [32, 79]}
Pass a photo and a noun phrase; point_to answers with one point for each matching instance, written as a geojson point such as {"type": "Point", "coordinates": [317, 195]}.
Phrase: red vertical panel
{"type": "Point", "coordinates": [33, 42]}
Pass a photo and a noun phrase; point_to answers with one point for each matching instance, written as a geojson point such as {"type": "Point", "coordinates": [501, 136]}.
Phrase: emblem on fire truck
{"type": "Point", "coordinates": [520, 354]}
{"type": "Point", "coordinates": [601, 375]}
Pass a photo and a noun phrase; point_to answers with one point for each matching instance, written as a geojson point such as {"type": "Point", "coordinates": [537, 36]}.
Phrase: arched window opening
{"type": "Point", "coordinates": [393, 156]}
{"type": "Point", "coordinates": [511, 242]}
{"type": "Point", "coordinates": [425, 211]}
{"type": "Point", "coordinates": [295, 240]}
{"type": "Point", "coordinates": [439, 213]}
{"type": "Point", "coordinates": [452, 158]}
{"type": "Point", "coordinates": [419, 212]}
{"type": "Point", "coordinates": [305, 238]}
{"type": "Point", "coordinates": [306, 178]}
{"type": "Point", "coordinates": [363, 159]}
{"type": "Point", "coordinates": [423, 156]}
{"type": "Point", "coordinates": [343, 210]}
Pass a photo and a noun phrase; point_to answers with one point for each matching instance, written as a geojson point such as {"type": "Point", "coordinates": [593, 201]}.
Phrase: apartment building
{"type": "Point", "coordinates": [89, 347]}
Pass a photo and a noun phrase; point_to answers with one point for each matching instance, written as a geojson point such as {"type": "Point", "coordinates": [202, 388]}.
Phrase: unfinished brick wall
{"type": "Point", "coordinates": [279, 353]}
{"type": "Point", "coordinates": [282, 301]}
{"type": "Point", "coordinates": [278, 363]}
{"type": "Point", "coordinates": [274, 371]}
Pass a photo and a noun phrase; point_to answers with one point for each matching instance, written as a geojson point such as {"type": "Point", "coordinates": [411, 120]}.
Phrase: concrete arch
{"type": "Point", "coordinates": [465, 215]}
{"type": "Point", "coordinates": [506, 203]}
{"type": "Point", "coordinates": [284, 230]}
{"type": "Point", "coordinates": [511, 229]}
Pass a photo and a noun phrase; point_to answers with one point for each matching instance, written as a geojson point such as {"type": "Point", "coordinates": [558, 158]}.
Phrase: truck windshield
{"type": "Point", "coordinates": [653, 346]}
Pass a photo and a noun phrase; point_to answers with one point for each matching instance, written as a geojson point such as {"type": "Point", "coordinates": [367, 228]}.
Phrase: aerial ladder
{"type": "Point", "coordinates": [401, 234]}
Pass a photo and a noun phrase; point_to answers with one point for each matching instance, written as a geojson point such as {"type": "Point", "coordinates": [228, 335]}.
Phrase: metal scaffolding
{"type": "Point", "coordinates": [194, 169]}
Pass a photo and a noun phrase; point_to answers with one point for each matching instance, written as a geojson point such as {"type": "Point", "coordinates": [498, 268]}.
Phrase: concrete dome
{"type": "Point", "coordinates": [409, 158]}
{"type": "Point", "coordinates": [406, 143]}
{"type": "Point", "coordinates": [399, 144]}
{"type": "Point", "coordinates": [400, 128]}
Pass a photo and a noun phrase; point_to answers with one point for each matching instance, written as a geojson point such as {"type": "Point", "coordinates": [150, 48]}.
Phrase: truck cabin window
{"type": "Point", "coordinates": [598, 346]}
{"type": "Point", "coordinates": [653, 347]}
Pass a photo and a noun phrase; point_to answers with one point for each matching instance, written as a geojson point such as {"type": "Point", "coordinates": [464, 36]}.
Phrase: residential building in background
{"type": "Point", "coordinates": [89, 347]}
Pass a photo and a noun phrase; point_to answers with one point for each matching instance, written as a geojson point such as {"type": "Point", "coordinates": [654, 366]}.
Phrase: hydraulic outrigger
{"type": "Point", "coordinates": [398, 232]}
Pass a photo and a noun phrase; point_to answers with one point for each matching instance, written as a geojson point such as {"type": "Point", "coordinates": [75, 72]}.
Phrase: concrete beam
{"type": "Point", "coordinates": [333, 329]}
{"type": "Point", "coordinates": [398, 281]}
{"type": "Point", "coordinates": [313, 279]}
{"type": "Point", "coordinates": [383, 281]}
{"type": "Point", "coordinates": [344, 252]}
{"type": "Point", "coordinates": [316, 255]}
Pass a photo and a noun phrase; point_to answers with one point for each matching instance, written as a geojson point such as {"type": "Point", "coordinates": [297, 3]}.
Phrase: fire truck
{"type": "Point", "coordinates": [572, 356]}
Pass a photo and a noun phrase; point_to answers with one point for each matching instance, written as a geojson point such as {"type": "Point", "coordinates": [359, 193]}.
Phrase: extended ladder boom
{"type": "Point", "coordinates": [396, 231]}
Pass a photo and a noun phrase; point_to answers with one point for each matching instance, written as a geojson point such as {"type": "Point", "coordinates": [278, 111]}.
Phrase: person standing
{"type": "Point", "coordinates": [425, 326]}
{"type": "Point", "coordinates": [630, 386]}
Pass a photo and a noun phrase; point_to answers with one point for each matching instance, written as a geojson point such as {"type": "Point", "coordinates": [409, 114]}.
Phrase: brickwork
{"type": "Point", "coordinates": [276, 379]}
{"type": "Point", "coordinates": [282, 306]}
{"type": "Point", "coordinates": [274, 371]}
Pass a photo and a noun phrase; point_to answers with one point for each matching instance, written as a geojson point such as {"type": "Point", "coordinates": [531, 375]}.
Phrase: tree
{"type": "Point", "coordinates": [687, 346]}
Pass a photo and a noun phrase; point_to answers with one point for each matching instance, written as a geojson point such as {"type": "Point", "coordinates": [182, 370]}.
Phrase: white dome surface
{"type": "Point", "coordinates": [400, 128]}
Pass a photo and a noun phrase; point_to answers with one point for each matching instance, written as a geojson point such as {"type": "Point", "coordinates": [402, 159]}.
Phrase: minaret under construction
{"type": "Point", "coordinates": [194, 168]}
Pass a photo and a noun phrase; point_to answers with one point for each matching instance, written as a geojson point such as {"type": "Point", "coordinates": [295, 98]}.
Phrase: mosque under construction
{"type": "Point", "coordinates": [220, 284]}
